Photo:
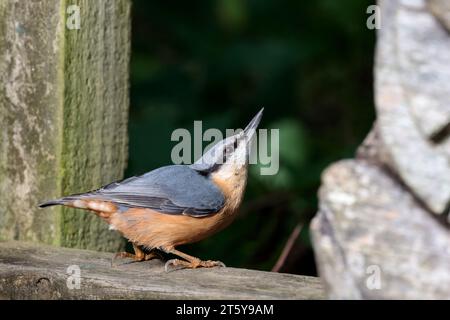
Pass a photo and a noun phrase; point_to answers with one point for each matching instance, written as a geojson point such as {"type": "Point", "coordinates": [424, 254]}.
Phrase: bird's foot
{"type": "Point", "coordinates": [135, 257]}
{"type": "Point", "coordinates": [182, 264]}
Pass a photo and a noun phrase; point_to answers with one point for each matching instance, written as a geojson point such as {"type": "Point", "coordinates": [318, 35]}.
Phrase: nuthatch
{"type": "Point", "coordinates": [176, 204]}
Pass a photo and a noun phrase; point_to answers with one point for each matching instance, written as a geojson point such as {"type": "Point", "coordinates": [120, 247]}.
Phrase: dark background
{"type": "Point", "coordinates": [308, 63]}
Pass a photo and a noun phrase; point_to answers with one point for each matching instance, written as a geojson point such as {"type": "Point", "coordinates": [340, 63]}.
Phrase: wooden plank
{"type": "Point", "coordinates": [30, 271]}
{"type": "Point", "coordinates": [63, 116]}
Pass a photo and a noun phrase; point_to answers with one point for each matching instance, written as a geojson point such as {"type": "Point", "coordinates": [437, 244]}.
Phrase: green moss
{"type": "Point", "coordinates": [93, 149]}
{"type": "Point", "coordinates": [73, 139]}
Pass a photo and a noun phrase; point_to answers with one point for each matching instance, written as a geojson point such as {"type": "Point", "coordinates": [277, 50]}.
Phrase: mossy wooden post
{"type": "Point", "coordinates": [63, 115]}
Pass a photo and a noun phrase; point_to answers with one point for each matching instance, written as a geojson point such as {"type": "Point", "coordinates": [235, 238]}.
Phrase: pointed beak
{"type": "Point", "coordinates": [253, 125]}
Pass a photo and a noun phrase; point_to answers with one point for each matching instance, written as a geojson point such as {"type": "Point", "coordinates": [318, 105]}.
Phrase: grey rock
{"type": "Point", "coordinates": [373, 240]}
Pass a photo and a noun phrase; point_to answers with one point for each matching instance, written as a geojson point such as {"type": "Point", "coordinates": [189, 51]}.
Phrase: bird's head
{"type": "Point", "coordinates": [229, 156]}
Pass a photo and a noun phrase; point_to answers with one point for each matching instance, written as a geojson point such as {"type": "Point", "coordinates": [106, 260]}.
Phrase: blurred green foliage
{"type": "Point", "coordinates": [309, 63]}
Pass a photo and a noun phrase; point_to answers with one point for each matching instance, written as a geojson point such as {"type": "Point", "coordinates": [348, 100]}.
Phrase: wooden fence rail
{"type": "Point", "coordinates": [31, 271]}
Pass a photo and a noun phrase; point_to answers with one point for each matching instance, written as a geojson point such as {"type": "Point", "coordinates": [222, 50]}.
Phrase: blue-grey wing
{"type": "Point", "coordinates": [173, 189]}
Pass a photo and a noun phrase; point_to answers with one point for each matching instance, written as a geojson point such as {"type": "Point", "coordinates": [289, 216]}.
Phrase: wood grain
{"type": "Point", "coordinates": [30, 271]}
{"type": "Point", "coordinates": [63, 116]}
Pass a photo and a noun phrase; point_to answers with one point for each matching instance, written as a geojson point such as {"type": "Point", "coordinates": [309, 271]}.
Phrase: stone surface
{"type": "Point", "coordinates": [412, 73]}
{"type": "Point", "coordinates": [372, 239]}
{"type": "Point", "coordinates": [377, 235]}
{"type": "Point", "coordinates": [63, 116]}
{"type": "Point", "coordinates": [29, 271]}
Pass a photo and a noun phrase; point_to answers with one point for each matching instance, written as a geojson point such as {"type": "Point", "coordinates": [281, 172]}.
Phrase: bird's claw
{"type": "Point", "coordinates": [181, 264]}
{"type": "Point", "coordinates": [211, 264]}
{"type": "Point", "coordinates": [120, 255]}
{"type": "Point", "coordinates": [221, 264]}
{"type": "Point", "coordinates": [174, 262]}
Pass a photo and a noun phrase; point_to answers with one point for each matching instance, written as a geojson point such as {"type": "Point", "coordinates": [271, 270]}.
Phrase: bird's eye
{"type": "Point", "coordinates": [224, 155]}
{"type": "Point", "coordinates": [235, 144]}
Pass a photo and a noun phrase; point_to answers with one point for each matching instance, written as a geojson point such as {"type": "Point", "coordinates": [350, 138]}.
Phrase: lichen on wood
{"type": "Point", "coordinates": [63, 116]}
{"type": "Point", "coordinates": [94, 147]}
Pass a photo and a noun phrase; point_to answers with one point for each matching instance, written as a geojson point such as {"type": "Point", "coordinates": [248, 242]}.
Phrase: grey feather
{"type": "Point", "coordinates": [176, 189]}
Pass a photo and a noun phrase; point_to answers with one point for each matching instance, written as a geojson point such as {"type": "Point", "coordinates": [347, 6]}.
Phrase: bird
{"type": "Point", "coordinates": [175, 204]}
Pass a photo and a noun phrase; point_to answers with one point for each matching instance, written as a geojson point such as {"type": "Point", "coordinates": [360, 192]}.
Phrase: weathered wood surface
{"type": "Point", "coordinates": [30, 271]}
{"type": "Point", "coordinates": [383, 228]}
{"type": "Point", "coordinates": [63, 115]}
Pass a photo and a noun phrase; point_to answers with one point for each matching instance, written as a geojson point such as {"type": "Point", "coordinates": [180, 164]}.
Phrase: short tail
{"type": "Point", "coordinates": [64, 200]}
{"type": "Point", "coordinates": [61, 201]}
{"type": "Point", "coordinates": [84, 201]}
